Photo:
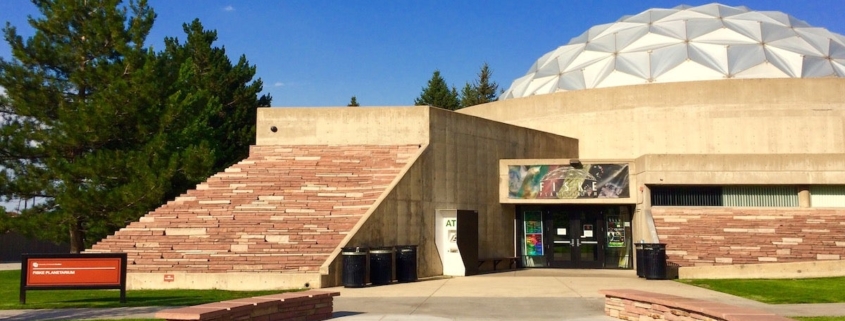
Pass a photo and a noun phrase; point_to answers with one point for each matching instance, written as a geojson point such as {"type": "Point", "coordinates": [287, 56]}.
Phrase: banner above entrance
{"type": "Point", "coordinates": [562, 182]}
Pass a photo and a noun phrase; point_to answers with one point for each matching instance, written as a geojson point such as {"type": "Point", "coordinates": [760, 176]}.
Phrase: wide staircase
{"type": "Point", "coordinates": [283, 209]}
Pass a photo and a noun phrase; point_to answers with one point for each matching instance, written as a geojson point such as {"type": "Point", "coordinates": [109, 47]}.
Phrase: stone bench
{"type": "Point", "coordinates": [638, 305]}
{"type": "Point", "coordinates": [306, 305]}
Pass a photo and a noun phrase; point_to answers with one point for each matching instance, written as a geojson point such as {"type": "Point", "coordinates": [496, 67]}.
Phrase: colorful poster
{"type": "Point", "coordinates": [533, 224]}
{"type": "Point", "coordinates": [615, 232]}
{"type": "Point", "coordinates": [567, 182]}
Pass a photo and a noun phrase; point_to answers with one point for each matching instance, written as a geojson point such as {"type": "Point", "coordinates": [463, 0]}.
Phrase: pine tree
{"type": "Point", "coordinates": [353, 102]}
{"type": "Point", "coordinates": [88, 133]}
{"type": "Point", "coordinates": [481, 91]}
{"type": "Point", "coordinates": [204, 76]}
{"type": "Point", "coordinates": [437, 94]}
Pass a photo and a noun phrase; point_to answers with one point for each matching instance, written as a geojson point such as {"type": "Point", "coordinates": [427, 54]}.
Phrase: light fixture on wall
{"type": "Point", "coordinates": [575, 163]}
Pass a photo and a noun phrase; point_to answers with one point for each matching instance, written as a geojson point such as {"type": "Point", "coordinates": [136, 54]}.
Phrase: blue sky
{"type": "Point", "coordinates": [320, 53]}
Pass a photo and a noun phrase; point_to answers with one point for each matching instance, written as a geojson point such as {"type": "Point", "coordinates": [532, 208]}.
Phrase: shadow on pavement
{"type": "Point", "coordinates": [76, 314]}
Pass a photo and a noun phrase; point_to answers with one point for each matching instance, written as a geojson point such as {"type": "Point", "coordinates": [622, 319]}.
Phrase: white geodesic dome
{"type": "Point", "coordinates": [685, 43]}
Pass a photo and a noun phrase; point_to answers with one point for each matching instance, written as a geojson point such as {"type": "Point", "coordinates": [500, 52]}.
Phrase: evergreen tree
{"type": "Point", "coordinates": [87, 132]}
{"type": "Point", "coordinates": [437, 94]}
{"type": "Point", "coordinates": [481, 91]}
{"type": "Point", "coordinates": [353, 102]}
{"type": "Point", "coordinates": [204, 76]}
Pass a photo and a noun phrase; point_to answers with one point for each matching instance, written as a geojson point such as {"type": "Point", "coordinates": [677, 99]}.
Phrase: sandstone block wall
{"type": "Point", "coordinates": [283, 209]}
{"type": "Point", "coordinates": [697, 236]}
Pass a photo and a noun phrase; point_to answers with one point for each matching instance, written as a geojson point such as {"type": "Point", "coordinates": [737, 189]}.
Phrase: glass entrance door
{"type": "Point", "coordinates": [576, 236]}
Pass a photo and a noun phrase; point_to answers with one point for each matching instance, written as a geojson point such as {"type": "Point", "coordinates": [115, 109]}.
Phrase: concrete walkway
{"type": "Point", "coordinates": [537, 294]}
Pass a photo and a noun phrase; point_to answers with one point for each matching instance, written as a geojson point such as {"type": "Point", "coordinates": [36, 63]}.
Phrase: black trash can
{"type": "Point", "coordinates": [655, 261]}
{"type": "Point", "coordinates": [406, 263]}
{"type": "Point", "coordinates": [354, 266]}
{"type": "Point", "coordinates": [640, 259]}
{"type": "Point", "coordinates": [381, 265]}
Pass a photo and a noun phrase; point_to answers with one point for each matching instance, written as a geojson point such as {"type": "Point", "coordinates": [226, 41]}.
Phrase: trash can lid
{"type": "Point", "coordinates": [381, 251]}
{"type": "Point", "coordinates": [353, 253]}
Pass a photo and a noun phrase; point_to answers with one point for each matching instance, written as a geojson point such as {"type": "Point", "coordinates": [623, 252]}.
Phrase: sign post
{"type": "Point", "coordinates": [73, 272]}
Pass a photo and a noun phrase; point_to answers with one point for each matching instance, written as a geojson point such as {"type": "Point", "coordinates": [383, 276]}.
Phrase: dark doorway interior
{"type": "Point", "coordinates": [575, 236]}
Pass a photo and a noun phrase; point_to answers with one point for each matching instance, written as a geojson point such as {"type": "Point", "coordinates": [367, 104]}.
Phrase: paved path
{"type": "Point", "coordinates": [10, 266]}
{"type": "Point", "coordinates": [537, 294]}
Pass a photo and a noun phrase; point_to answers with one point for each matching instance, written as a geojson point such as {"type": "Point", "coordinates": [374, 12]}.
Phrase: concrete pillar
{"type": "Point", "coordinates": [804, 196]}
{"type": "Point", "coordinates": [643, 222]}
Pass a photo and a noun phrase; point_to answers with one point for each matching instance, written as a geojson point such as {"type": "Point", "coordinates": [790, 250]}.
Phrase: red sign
{"type": "Point", "coordinates": [169, 278]}
{"type": "Point", "coordinates": [73, 271]}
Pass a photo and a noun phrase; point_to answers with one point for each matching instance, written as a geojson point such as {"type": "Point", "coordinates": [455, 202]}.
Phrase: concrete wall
{"type": "Point", "coordinates": [740, 169]}
{"type": "Point", "coordinates": [458, 169]}
{"type": "Point", "coordinates": [735, 116]}
{"type": "Point", "coordinates": [342, 126]}
{"type": "Point", "coordinates": [794, 270]}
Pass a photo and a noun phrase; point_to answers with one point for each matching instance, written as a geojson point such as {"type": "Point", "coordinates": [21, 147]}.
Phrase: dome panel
{"type": "Point", "coordinates": [685, 43]}
{"type": "Point", "coordinates": [619, 26]}
{"type": "Point", "coordinates": [787, 61]}
{"type": "Point", "coordinates": [543, 61]}
{"type": "Point", "coordinates": [566, 54]}
{"type": "Point", "coordinates": [837, 50]}
{"type": "Point", "coordinates": [536, 84]}
{"type": "Point", "coordinates": [674, 29]}
{"type": "Point", "coordinates": [549, 69]}
{"type": "Point", "coordinates": [780, 17]}
{"type": "Point", "coordinates": [700, 27]}
{"type": "Point", "coordinates": [605, 44]}
{"type": "Point", "coordinates": [819, 43]}
{"type": "Point", "coordinates": [572, 81]}
{"type": "Point", "coordinates": [651, 41]}
{"type": "Point", "coordinates": [743, 57]}
{"type": "Point", "coordinates": [650, 15]}
{"type": "Point", "coordinates": [797, 45]}
{"type": "Point", "coordinates": [597, 30]}
{"type": "Point", "coordinates": [595, 73]}
{"type": "Point", "coordinates": [586, 58]}
{"type": "Point", "coordinates": [547, 88]}
{"type": "Point", "coordinates": [619, 78]}
{"type": "Point", "coordinates": [685, 15]}
{"type": "Point", "coordinates": [517, 89]}
{"type": "Point", "coordinates": [815, 67]}
{"type": "Point", "coordinates": [724, 36]}
{"type": "Point", "coordinates": [718, 10]}
{"type": "Point", "coordinates": [582, 38]}
{"type": "Point", "coordinates": [664, 59]}
{"type": "Point", "coordinates": [712, 56]}
{"type": "Point", "coordinates": [687, 69]}
{"type": "Point", "coordinates": [839, 68]}
{"type": "Point", "coordinates": [758, 16]}
{"type": "Point", "coordinates": [763, 70]}
{"type": "Point", "coordinates": [634, 63]}
{"type": "Point", "coordinates": [772, 32]}
{"type": "Point", "coordinates": [750, 29]}
{"type": "Point", "coordinates": [626, 37]}
{"type": "Point", "coordinates": [796, 23]}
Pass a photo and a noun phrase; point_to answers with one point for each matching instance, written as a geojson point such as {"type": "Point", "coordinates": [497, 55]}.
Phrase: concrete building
{"type": "Point", "coordinates": [716, 130]}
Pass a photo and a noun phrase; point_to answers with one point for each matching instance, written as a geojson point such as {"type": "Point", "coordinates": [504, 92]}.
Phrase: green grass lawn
{"type": "Point", "coordinates": [820, 318]}
{"type": "Point", "coordinates": [823, 290]}
{"type": "Point", "coordinates": [56, 299]}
